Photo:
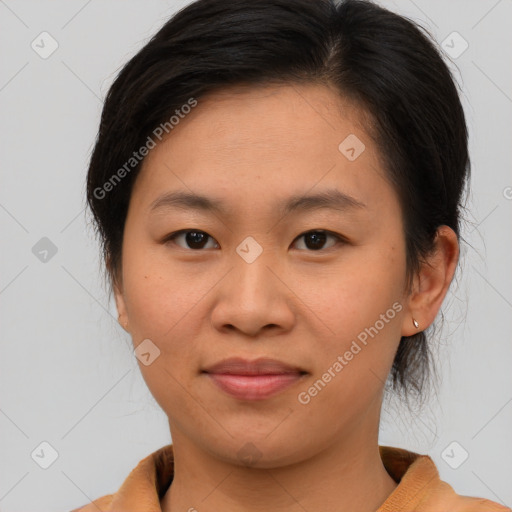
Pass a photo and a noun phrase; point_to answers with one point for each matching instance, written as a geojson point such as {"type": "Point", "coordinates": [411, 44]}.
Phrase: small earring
{"type": "Point", "coordinates": [415, 323]}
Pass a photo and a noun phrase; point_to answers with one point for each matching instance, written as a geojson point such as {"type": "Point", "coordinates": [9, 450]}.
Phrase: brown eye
{"type": "Point", "coordinates": [315, 240]}
{"type": "Point", "coordinates": [193, 239]}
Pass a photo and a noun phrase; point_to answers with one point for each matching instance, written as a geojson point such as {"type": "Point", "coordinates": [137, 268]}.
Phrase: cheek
{"type": "Point", "coordinates": [148, 302]}
{"type": "Point", "coordinates": [360, 315]}
{"type": "Point", "coordinates": [353, 359]}
{"type": "Point", "coordinates": [162, 309]}
{"type": "Point", "coordinates": [354, 295]}
{"type": "Point", "coordinates": [166, 305]}
{"type": "Point", "coordinates": [158, 296]}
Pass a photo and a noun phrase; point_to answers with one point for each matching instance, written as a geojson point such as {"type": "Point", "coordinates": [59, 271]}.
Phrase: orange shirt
{"type": "Point", "coordinates": [419, 487]}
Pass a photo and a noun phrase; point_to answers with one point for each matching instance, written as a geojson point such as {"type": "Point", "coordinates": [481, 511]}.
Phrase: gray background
{"type": "Point", "coordinates": [67, 372]}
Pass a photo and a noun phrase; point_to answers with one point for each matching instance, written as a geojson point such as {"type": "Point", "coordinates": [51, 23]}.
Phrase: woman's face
{"type": "Point", "coordinates": [257, 280]}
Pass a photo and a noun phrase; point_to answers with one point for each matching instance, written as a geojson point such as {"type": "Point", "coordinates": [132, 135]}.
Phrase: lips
{"type": "Point", "coordinates": [253, 380]}
{"type": "Point", "coordinates": [261, 366]}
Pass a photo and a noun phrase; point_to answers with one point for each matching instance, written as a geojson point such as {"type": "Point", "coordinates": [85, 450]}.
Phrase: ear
{"type": "Point", "coordinates": [121, 305]}
{"type": "Point", "coordinates": [431, 283]}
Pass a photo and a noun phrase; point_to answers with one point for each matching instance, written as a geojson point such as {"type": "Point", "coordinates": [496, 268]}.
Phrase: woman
{"type": "Point", "coordinates": [277, 187]}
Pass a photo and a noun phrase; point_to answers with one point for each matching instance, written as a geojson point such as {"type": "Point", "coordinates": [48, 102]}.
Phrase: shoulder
{"type": "Point", "coordinates": [420, 488]}
{"type": "Point", "coordinates": [142, 486]}
{"type": "Point", "coordinates": [443, 497]}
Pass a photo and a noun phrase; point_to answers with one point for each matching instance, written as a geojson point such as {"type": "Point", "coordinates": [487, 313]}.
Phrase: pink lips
{"type": "Point", "coordinates": [253, 380]}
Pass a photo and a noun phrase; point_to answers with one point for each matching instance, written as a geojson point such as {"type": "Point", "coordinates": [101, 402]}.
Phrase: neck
{"type": "Point", "coordinates": [348, 475]}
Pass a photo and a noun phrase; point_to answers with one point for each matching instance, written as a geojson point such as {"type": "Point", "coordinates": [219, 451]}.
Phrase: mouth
{"type": "Point", "coordinates": [253, 380]}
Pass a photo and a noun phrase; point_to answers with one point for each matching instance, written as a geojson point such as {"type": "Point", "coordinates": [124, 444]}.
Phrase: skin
{"type": "Point", "coordinates": [253, 147]}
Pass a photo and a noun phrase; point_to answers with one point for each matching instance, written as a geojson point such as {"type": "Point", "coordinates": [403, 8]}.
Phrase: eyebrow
{"type": "Point", "coordinates": [332, 199]}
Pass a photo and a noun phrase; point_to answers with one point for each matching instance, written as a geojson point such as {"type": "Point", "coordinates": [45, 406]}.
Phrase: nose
{"type": "Point", "coordinates": [254, 299]}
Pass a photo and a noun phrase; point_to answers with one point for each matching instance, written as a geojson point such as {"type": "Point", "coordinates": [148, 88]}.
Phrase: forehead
{"type": "Point", "coordinates": [282, 138]}
{"type": "Point", "coordinates": [273, 117]}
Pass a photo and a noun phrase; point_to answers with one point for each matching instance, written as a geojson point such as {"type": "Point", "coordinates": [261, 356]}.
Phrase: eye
{"type": "Point", "coordinates": [195, 239]}
{"type": "Point", "coordinates": [314, 240]}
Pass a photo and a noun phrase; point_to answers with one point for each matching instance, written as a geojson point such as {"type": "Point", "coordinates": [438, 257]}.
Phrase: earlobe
{"type": "Point", "coordinates": [432, 282]}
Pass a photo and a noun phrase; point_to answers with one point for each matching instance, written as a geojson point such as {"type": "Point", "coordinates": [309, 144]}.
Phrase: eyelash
{"type": "Point", "coordinates": [339, 238]}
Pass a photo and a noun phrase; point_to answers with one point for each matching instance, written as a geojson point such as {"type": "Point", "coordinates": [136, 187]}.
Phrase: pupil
{"type": "Point", "coordinates": [317, 238]}
{"type": "Point", "coordinates": [196, 237]}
